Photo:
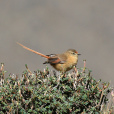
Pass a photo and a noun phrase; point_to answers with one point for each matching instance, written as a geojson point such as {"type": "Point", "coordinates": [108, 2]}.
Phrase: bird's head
{"type": "Point", "coordinates": [72, 52]}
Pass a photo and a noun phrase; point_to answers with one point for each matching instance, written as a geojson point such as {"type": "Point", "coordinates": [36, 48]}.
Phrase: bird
{"type": "Point", "coordinates": [61, 62]}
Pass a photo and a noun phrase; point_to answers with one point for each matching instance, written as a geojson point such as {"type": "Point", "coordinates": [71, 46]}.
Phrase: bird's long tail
{"type": "Point", "coordinates": [34, 51]}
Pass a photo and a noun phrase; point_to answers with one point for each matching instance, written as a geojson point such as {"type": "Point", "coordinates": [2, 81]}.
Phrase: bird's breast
{"type": "Point", "coordinates": [68, 65]}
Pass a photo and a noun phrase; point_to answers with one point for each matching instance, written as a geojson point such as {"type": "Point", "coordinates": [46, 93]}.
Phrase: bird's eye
{"type": "Point", "coordinates": [74, 53]}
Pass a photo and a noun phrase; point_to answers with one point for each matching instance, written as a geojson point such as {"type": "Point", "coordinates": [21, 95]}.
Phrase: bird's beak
{"type": "Point", "coordinates": [79, 54]}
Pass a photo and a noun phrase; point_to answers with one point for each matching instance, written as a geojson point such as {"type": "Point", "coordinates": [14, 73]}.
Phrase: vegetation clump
{"type": "Point", "coordinates": [51, 92]}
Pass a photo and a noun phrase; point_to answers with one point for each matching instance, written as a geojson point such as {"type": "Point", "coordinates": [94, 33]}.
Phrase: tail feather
{"type": "Point", "coordinates": [34, 51]}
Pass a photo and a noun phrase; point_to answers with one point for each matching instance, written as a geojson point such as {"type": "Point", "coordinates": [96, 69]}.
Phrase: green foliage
{"type": "Point", "coordinates": [53, 93]}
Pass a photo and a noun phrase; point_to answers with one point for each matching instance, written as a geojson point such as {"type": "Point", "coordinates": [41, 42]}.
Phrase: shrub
{"type": "Point", "coordinates": [53, 92]}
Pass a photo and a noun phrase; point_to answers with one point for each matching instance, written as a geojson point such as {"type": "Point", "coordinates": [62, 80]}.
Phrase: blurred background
{"type": "Point", "coordinates": [53, 26]}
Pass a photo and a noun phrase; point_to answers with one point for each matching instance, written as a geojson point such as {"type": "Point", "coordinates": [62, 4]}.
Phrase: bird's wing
{"type": "Point", "coordinates": [56, 59]}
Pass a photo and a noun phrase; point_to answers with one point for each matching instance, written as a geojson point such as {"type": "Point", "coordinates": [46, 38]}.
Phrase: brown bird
{"type": "Point", "coordinates": [61, 62]}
